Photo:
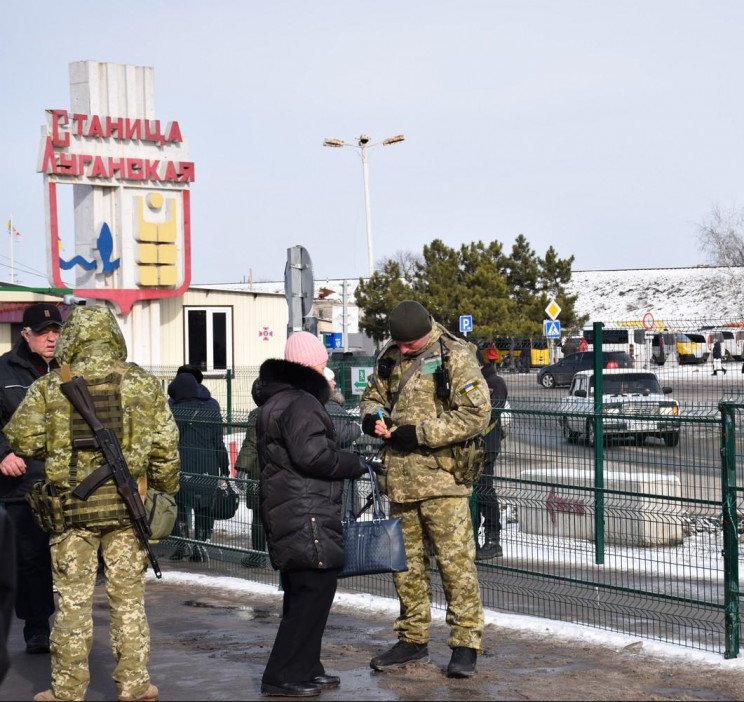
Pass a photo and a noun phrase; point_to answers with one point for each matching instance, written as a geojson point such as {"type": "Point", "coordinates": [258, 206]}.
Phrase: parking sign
{"type": "Point", "coordinates": [466, 323]}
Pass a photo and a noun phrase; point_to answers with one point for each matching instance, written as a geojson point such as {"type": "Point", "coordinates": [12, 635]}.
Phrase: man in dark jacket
{"type": "Point", "coordinates": [488, 501]}
{"type": "Point", "coordinates": [203, 458]}
{"type": "Point", "coordinates": [31, 357]}
{"type": "Point", "coordinates": [301, 485]}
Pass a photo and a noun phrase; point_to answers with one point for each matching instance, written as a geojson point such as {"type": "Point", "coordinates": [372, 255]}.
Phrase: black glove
{"type": "Point", "coordinates": [369, 422]}
{"type": "Point", "coordinates": [404, 438]}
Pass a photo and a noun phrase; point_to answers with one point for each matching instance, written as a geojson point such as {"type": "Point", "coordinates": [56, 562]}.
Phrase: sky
{"type": "Point", "coordinates": [606, 130]}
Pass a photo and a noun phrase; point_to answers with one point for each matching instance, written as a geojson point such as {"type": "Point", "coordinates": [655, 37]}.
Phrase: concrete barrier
{"type": "Point", "coordinates": [643, 517]}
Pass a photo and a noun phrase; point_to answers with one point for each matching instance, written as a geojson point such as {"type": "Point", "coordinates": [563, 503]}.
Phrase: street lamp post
{"type": "Point", "coordinates": [363, 144]}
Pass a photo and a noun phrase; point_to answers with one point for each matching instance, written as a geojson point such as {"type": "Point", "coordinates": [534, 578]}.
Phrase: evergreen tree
{"type": "Point", "coordinates": [506, 295]}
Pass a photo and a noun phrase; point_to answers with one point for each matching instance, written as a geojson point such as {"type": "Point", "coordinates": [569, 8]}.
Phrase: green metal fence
{"type": "Point", "coordinates": [637, 533]}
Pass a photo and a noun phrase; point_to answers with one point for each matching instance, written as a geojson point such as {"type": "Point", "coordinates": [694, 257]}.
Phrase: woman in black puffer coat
{"type": "Point", "coordinates": [301, 486]}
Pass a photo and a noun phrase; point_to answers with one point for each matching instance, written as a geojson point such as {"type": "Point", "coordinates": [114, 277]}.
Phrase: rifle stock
{"type": "Point", "coordinates": [76, 391]}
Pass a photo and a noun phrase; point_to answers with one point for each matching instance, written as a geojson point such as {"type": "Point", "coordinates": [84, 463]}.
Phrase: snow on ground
{"type": "Point", "coordinates": [373, 605]}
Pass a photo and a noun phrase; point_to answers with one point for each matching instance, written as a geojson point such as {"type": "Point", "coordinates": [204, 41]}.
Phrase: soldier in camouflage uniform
{"type": "Point", "coordinates": [426, 416]}
{"type": "Point", "coordinates": [130, 402]}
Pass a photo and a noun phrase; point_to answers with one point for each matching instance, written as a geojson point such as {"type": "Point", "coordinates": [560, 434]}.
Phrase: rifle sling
{"type": "Point", "coordinates": [404, 378]}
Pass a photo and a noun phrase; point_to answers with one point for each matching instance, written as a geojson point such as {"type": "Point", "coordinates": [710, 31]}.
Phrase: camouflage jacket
{"type": "Point", "coordinates": [42, 426]}
{"type": "Point", "coordinates": [442, 424]}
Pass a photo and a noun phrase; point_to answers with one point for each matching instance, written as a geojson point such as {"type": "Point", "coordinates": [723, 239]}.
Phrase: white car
{"type": "Point", "coordinates": [633, 405]}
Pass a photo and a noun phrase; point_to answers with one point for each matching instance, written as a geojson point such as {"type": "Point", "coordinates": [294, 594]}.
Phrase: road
{"type": "Point", "coordinates": [535, 440]}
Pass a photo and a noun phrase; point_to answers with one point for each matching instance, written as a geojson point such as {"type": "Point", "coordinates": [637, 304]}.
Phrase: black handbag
{"type": "Point", "coordinates": [224, 501]}
{"type": "Point", "coordinates": [374, 546]}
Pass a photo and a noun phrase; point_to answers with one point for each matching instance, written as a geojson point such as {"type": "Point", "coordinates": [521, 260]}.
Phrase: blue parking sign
{"type": "Point", "coordinates": [466, 323]}
{"type": "Point", "coordinates": [552, 329]}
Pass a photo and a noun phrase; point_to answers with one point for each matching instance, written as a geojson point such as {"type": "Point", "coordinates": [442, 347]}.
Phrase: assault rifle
{"type": "Point", "coordinates": [76, 391]}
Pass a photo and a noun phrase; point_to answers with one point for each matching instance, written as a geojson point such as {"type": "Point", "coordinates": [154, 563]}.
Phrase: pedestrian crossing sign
{"type": "Point", "coordinates": [551, 329]}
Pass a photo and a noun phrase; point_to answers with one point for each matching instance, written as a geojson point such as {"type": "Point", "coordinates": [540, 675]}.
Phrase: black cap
{"type": "Point", "coordinates": [409, 321]}
{"type": "Point", "coordinates": [191, 370]}
{"type": "Point", "coordinates": [40, 315]}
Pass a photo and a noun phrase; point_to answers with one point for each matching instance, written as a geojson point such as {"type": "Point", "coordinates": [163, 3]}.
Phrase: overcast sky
{"type": "Point", "coordinates": [606, 129]}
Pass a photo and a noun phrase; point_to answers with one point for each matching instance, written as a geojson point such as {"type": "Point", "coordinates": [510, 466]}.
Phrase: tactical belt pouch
{"type": "Point", "coordinates": [103, 508]}
{"type": "Point", "coordinates": [469, 457]}
{"type": "Point", "coordinates": [46, 507]}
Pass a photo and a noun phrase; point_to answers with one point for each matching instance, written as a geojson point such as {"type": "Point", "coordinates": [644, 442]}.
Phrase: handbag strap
{"type": "Point", "coordinates": [377, 513]}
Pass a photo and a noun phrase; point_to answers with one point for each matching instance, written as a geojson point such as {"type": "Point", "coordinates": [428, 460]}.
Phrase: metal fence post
{"type": "Point", "coordinates": [598, 448]}
{"type": "Point", "coordinates": [729, 524]}
{"type": "Point", "coordinates": [228, 418]}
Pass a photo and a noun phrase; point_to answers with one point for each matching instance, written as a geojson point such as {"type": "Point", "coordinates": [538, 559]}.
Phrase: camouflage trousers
{"type": "Point", "coordinates": [74, 563]}
{"type": "Point", "coordinates": [443, 525]}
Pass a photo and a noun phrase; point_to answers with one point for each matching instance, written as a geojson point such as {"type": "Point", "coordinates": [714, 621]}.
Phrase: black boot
{"type": "Point", "coordinates": [491, 548]}
{"type": "Point", "coordinates": [402, 653]}
{"type": "Point", "coordinates": [462, 663]}
{"type": "Point", "coordinates": [183, 550]}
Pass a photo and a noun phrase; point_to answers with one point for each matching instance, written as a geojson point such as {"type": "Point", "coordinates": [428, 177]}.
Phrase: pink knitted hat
{"type": "Point", "coordinates": [306, 349]}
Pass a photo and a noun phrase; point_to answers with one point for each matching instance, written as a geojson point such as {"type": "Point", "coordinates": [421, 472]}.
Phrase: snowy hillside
{"type": "Point", "coordinates": [680, 297]}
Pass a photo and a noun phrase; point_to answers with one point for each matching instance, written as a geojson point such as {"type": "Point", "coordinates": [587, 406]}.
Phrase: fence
{"type": "Point", "coordinates": [634, 530]}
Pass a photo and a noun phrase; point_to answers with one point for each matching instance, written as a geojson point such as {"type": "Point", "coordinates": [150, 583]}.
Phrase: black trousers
{"type": "Point", "coordinates": [308, 596]}
{"type": "Point", "coordinates": [34, 601]}
{"type": "Point", "coordinates": [487, 500]}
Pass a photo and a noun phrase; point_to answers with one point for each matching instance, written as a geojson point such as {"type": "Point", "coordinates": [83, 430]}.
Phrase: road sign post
{"type": "Point", "coordinates": [466, 323]}
{"type": "Point", "coordinates": [551, 329]}
{"type": "Point", "coordinates": [648, 325]}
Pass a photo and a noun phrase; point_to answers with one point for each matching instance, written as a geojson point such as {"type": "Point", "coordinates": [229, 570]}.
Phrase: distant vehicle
{"type": "Point", "coordinates": [691, 348]}
{"type": "Point", "coordinates": [730, 348]}
{"type": "Point", "coordinates": [633, 405]}
{"type": "Point", "coordinates": [562, 372]}
{"type": "Point", "coordinates": [615, 339]}
{"type": "Point", "coordinates": [508, 352]}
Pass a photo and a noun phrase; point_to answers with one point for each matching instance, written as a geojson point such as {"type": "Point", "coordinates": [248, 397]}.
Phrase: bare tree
{"type": "Point", "coordinates": [407, 260]}
{"type": "Point", "coordinates": [722, 237]}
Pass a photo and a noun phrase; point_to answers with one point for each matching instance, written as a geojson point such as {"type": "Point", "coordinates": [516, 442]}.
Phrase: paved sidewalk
{"type": "Point", "coordinates": [211, 643]}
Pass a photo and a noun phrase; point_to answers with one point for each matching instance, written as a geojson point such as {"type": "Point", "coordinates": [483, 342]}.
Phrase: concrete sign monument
{"type": "Point", "coordinates": [130, 175]}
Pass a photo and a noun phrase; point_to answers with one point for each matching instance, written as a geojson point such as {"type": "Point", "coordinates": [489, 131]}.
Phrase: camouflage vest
{"type": "Point", "coordinates": [103, 507]}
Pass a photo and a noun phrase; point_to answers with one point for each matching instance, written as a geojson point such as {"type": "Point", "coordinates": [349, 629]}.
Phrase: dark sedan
{"type": "Point", "coordinates": [562, 372]}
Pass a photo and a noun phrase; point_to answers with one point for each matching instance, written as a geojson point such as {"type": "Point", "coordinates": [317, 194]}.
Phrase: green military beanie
{"type": "Point", "coordinates": [409, 321]}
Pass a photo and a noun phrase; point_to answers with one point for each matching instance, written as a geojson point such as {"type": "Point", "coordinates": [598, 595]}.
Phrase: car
{"type": "Point", "coordinates": [633, 405]}
{"type": "Point", "coordinates": [562, 372]}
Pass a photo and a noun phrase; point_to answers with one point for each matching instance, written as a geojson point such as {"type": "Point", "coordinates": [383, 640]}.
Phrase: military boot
{"type": "Point", "coordinates": [402, 653]}
{"type": "Point", "coordinates": [462, 663]}
{"type": "Point", "coordinates": [149, 695]}
{"type": "Point", "coordinates": [46, 696]}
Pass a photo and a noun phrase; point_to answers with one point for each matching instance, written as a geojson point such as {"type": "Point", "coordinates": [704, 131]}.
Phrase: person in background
{"type": "Point", "coordinates": [203, 459]}
{"type": "Point", "coordinates": [203, 390]}
{"type": "Point", "coordinates": [347, 430]}
{"type": "Point", "coordinates": [130, 403]}
{"type": "Point", "coordinates": [247, 468]}
{"type": "Point", "coordinates": [488, 501]}
{"type": "Point", "coordinates": [583, 345]}
{"type": "Point", "coordinates": [426, 398]}
{"type": "Point", "coordinates": [31, 357]}
{"type": "Point", "coordinates": [301, 485]}
{"type": "Point", "coordinates": [717, 358]}
{"type": "Point", "coordinates": [7, 587]}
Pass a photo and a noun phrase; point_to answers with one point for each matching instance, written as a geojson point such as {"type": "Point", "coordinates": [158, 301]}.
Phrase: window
{"type": "Point", "coordinates": [209, 337]}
